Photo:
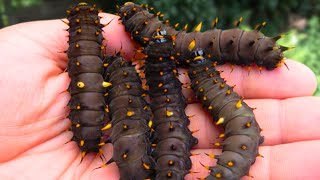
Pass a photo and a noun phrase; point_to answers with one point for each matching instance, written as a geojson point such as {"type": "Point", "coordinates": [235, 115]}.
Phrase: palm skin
{"type": "Point", "coordinates": [33, 123]}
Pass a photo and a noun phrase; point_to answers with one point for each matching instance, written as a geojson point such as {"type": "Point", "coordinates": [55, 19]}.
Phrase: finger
{"type": "Point", "coordinates": [286, 162]}
{"type": "Point", "coordinates": [276, 84]}
{"type": "Point", "coordinates": [116, 37]}
{"type": "Point", "coordinates": [51, 36]}
{"type": "Point", "coordinates": [282, 121]}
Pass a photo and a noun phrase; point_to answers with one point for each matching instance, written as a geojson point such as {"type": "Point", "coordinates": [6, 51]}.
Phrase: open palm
{"type": "Point", "coordinates": [33, 99]}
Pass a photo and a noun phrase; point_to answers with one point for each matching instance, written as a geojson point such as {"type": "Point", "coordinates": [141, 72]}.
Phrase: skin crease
{"type": "Point", "coordinates": [33, 110]}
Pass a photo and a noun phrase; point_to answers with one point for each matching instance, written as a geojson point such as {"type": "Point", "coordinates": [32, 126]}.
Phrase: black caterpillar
{"type": "Point", "coordinates": [233, 46]}
{"type": "Point", "coordinates": [130, 115]}
{"type": "Point", "coordinates": [172, 138]}
{"type": "Point", "coordinates": [87, 87]}
{"type": "Point", "coordinates": [242, 132]}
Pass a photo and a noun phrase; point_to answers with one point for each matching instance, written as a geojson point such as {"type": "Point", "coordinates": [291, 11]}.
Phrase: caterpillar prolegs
{"type": "Point", "coordinates": [130, 115]}
{"type": "Point", "coordinates": [172, 138]}
{"type": "Point", "coordinates": [233, 46]}
{"type": "Point", "coordinates": [87, 86]}
{"type": "Point", "coordinates": [242, 132]}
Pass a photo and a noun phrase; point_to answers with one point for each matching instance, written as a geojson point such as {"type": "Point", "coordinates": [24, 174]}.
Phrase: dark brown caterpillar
{"type": "Point", "coordinates": [87, 87]}
{"type": "Point", "coordinates": [242, 132]}
{"type": "Point", "coordinates": [172, 138]}
{"type": "Point", "coordinates": [233, 46]}
{"type": "Point", "coordinates": [130, 115]}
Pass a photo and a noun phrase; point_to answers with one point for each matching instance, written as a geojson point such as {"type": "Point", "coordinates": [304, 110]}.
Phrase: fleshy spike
{"type": "Point", "coordinates": [192, 45]}
{"type": "Point", "coordinates": [106, 84]}
{"type": "Point", "coordinates": [238, 22]}
{"type": "Point", "coordinates": [210, 155]}
{"type": "Point", "coordinates": [276, 38]}
{"type": "Point", "coordinates": [198, 27]}
{"type": "Point", "coordinates": [283, 48]}
{"type": "Point", "coordinates": [260, 26]}
{"type": "Point", "coordinates": [185, 28]}
{"type": "Point", "coordinates": [106, 127]}
{"type": "Point", "coordinates": [65, 22]}
{"type": "Point", "coordinates": [220, 121]}
{"type": "Point", "coordinates": [214, 23]}
{"type": "Point", "coordinates": [207, 167]}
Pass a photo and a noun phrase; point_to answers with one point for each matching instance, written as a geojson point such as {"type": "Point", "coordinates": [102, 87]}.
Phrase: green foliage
{"type": "Point", "coordinates": [307, 45]}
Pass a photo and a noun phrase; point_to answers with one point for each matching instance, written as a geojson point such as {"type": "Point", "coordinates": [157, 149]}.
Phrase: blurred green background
{"type": "Point", "coordinates": [299, 18]}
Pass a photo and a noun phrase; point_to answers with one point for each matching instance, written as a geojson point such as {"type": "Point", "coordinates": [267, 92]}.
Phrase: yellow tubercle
{"type": "Point", "coordinates": [230, 163]}
{"type": "Point", "coordinates": [102, 144]}
{"type": "Point", "coordinates": [218, 175]}
{"type": "Point", "coordinates": [185, 28]}
{"type": "Point", "coordinates": [239, 104]}
{"type": "Point", "coordinates": [83, 154]}
{"type": "Point", "coordinates": [220, 121]}
{"type": "Point", "coordinates": [146, 166]}
{"type": "Point", "coordinates": [130, 113]}
{"type": "Point", "coordinates": [150, 124]}
{"type": "Point", "coordinates": [211, 155]}
{"type": "Point", "coordinates": [124, 156]}
{"type": "Point", "coordinates": [80, 84]}
{"type": "Point", "coordinates": [192, 45]}
{"type": "Point", "coordinates": [128, 3]}
{"type": "Point", "coordinates": [169, 113]}
{"type": "Point", "coordinates": [82, 4]}
{"type": "Point", "coordinates": [106, 84]}
{"type": "Point", "coordinates": [81, 143]}
{"type": "Point", "coordinates": [243, 147]}
{"type": "Point", "coordinates": [106, 127]}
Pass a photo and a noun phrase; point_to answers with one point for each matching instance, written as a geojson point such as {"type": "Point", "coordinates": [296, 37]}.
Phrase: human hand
{"type": "Point", "coordinates": [33, 110]}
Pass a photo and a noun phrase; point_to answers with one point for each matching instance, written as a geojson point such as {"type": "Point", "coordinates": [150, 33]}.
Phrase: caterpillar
{"type": "Point", "coordinates": [172, 138]}
{"type": "Point", "coordinates": [130, 115]}
{"type": "Point", "coordinates": [233, 46]}
{"type": "Point", "coordinates": [87, 86]}
{"type": "Point", "coordinates": [242, 132]}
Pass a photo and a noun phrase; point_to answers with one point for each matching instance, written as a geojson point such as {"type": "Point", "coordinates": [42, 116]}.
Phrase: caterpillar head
{"type": "Point", "coordinates": [160, 36]}
{"type": "Point", "coordinates": [160, 45]}
{"type": "Point", "coordinates": [198, 56]}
